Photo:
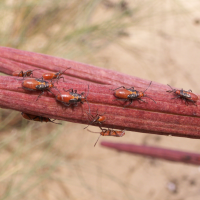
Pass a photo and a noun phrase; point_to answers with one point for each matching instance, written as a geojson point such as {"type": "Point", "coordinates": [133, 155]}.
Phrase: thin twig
{"type": "Point", "coordinates": [156, 152]}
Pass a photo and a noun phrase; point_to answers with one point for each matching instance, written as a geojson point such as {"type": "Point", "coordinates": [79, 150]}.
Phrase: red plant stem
{"type": "Point", "coordinates": [101, 98]}
{"type": "Point", "coordinates": [156, 152]}
{"type": "Point", "coordinates": [9, 66]}
{"type": "Point", "coordinates": [87, 73]}
{"type": "Point", "coordinates": [167, 116]}
{"type": "Point", "coordinates": [78, 70]}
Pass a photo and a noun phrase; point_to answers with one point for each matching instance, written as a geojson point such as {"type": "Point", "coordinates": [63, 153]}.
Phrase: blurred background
{"type": "Point", "coordinates": [151, 39]}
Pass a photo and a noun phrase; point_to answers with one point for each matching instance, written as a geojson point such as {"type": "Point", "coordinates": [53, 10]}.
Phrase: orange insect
{"type": "Point", "coordinates": [37, 118]}
{"type": "Point", "coordinates": [51, 75]}
{"type": "Point", "coordinates": [71, 97]}
{"type": "Point", "coordinates": [97, 119]}
{"type": "Point", "coordinates": [34, 84]}
{"type": "Point", "coordinates": [109, 132]}
{"type": "Point", "coordinates": [130, 94]}
{"type": "Point", "coordinates": [187, 96]}
{"type": "Point", "coordinates": [24, 74]}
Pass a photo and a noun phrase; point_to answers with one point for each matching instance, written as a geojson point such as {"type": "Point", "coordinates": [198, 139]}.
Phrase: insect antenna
{"type": "Point", "coordinates": [150, 98]}
{"type": "Point", "coordinates": [97, 140]}
{"type": "Point", "coordinates": [173, 90]}
{"type": "Point", "coordinates": [91, 131]}
{"type": "Point", "coordinates": [64, 71]}
{"type": "Point", "coordinates": [146, 90]}
{"type": "Point", "coordinates": [88, 125]}
{"type": "Point", "coordinates": [147, 87]}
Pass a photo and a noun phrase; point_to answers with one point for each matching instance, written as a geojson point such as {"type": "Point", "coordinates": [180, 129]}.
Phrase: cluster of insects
{"type": "Point", "coordinates": [130, 94]}
{"type": "Point", "coordinates": [70, 97]}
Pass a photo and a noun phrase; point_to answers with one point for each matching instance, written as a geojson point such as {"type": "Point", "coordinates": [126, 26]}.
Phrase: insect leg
{"type": "Point", "coordinates": [54, 122]}
{"type": "Point", "coordinates": [118, 88]}
{"type": "Point", "coordinates": [40, 95]}
{"type": "Point", "coordinates": [68, 90]}
{"type": "Point", "coordinates": [131, 101]}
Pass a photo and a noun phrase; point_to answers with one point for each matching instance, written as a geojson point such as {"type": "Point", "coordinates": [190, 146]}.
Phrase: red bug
{"type": "Point", "coordinates": [34, 84]}
{"type": "Point", "coordinates": [51, 75]}
{"type": "Point", "coordinates": [71, 97]}
{"type": "Point", "coordinates": [187, 96]}
{"type": "Point", "coordinates": [130, 94]}
{"type": "Point", "coordinates": [37, 118]}
{"type": "Point", "coordinates": [97, 119]}
{"type": "Point", "coordinates": [109, 132]}
{"type": "Point", "coordinates": [24, 74]}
